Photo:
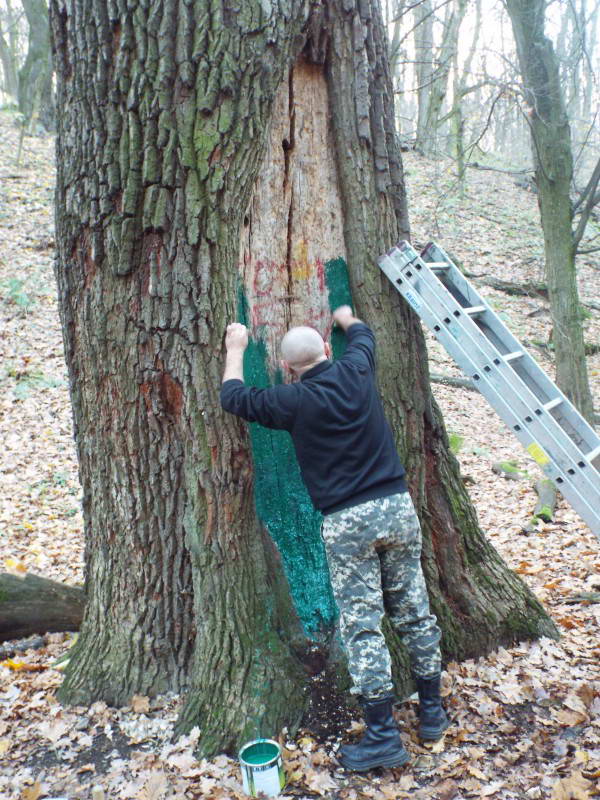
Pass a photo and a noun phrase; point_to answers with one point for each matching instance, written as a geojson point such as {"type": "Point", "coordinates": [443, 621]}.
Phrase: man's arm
{"type": "Point", "coordinates": [236, 342]}
{"type": "Point", "coordinates": [273, 407]}
{"type": "Point", "coordinates": [360, 347]}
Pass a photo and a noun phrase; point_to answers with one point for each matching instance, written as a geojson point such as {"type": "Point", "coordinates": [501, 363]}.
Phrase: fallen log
{"type": "Point", "coordinates": [451, 380]}
{"type": "Point", "coordinates": [33, 604]}
{"type": "Point", "coordinates": [527, 289]}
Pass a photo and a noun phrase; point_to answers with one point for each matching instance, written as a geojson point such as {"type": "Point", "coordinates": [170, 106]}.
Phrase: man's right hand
{"type": "Point", "coordinates": [344, 317]}
{"type": "Point", "coordinates": [236, 337]}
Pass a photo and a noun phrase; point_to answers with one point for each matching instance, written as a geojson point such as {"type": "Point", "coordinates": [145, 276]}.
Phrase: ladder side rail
{"type": "Point", "coordinates": [527, 365]}
{"type": "Point", "coordinates": [453, 275]}
{"type": "Point", "coordinates": [497, 399]}
{"type": "Point", "coordinates": [543, 425]}
{"type": "Point", "coordinates": [424, 286]}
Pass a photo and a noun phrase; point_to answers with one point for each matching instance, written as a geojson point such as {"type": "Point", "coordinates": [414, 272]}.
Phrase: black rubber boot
{"type": "Point", "coordinates": [381, 745]}
{"type": "Point", "coordinates": [432, 717]}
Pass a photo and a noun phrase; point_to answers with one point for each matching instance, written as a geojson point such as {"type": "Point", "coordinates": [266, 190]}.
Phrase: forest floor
{"type": "Point", "coordinates": [526, 719]}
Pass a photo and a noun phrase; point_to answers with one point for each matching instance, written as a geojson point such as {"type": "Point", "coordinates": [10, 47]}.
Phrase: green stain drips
{"type": "Point", "coordinates": [282, 502]}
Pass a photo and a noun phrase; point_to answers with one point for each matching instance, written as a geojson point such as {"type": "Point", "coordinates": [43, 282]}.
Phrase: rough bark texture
{"type": "Point", "coordinates": [479, 602]}
{"type": "Point", "coordinates": [553, 158]}
{"type": "Point", "coordinates": [33, 604]}
{"type": "Point", "coordinates": [214, 162]}
{"type": "Point", "coordinates": [163, 110]}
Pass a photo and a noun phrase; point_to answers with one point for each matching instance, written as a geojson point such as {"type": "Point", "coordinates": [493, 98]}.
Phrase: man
{"type": "Point", "coordinates": [371, 533]}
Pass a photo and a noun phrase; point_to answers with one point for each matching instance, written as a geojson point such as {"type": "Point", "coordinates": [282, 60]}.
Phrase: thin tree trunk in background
{"type": "Point", "coordinates": [35, 76]}
{"type": "Point", "coordinates": [423, 41]}
{"type": "Point", "coordinates": [246, 167]}
{"type": "Point", "coordinates": [9, 69]}
{"type": "Point", "coordinates": [8, 52]}
{"type": "Point", "coordinates": [460, 89]}
{"type": "Point", "coordinates": [551, 144]}
{"type": "Point", "coordinates": [445, 55]}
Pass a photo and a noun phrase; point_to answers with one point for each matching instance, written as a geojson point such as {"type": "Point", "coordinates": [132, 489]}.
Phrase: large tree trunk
{"type": "Point", "coordinates": [553, 159]}
{"type": "Point", "coordinates": [242, 163]}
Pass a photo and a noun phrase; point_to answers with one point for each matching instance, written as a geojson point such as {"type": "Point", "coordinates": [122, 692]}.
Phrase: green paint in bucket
{"type": "Point", "coordinates": [262, 768]}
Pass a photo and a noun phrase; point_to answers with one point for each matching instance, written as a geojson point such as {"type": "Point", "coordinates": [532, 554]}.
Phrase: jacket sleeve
{"type": "Point", "coordinates": [360, 345]}
{"type": "Point", "coordinates": [274, 407]}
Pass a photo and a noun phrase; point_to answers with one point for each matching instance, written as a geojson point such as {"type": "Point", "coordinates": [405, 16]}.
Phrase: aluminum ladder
{"type": "Point", "coordinates": [553, 432]}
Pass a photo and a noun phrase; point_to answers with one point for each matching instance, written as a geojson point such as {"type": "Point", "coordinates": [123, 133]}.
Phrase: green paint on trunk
{"type": "Point", "coordinates": [282, 502]}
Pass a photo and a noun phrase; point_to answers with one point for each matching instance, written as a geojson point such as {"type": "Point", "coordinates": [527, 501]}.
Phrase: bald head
{"type": "Point", "coordinates": [302, 347]}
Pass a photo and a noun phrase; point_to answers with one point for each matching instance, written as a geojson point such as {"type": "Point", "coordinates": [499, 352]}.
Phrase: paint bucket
{"type": "Point", "coordinates": [262, 768]}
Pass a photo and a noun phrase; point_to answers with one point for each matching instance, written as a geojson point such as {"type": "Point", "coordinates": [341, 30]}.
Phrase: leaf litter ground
{"type": "Point", "coordinates": [526, 719]}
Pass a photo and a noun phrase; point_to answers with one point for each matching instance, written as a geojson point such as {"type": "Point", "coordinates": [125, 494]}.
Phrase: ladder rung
{"type": "Point", "coordinates": [437, 265]}
{"type": "Point", "coordinates": [512, 356]}
{"type": "Point", "coordinates": [594, 454]}
{"type": "Point", "coordinates": [553, 403]}
{"type": "Point", "coordinates": [473, 311]}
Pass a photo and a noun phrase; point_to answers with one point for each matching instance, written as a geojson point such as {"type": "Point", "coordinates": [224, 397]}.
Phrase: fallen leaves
{"type": "Point", "coordinates": [32, 792]}
{"type": "Point", "coordinates": [526, 718]}
{"type": "Point", "coordinates": [17, 666]}
{"type": "Point", "coordinates": [575, 787]}
{"type": "Point", "coordinates": [140, 704]}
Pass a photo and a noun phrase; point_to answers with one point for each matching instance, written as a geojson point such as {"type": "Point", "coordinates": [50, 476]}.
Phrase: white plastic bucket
{"type": "Point", "coordinates": [262, 768]}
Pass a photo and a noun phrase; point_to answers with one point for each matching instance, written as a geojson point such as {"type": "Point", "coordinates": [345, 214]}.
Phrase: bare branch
{"type": "Point", "coordinates": [420, 22]}
{"type": "Point", "coordinates": [474, 144]}
{"type": "Point", "coordinates": [586, 251]}
{"type": "Point", "coordinates": [593, 198]}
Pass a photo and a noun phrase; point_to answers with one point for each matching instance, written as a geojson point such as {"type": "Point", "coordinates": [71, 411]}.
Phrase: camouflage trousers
{"type": "Point", "coordinates": [373, 551]}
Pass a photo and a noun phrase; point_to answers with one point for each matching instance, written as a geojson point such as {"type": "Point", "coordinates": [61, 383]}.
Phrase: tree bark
{"type": "Point", "coordinates": [551, 144]}
{"type": "Point", "coordinates": [242, 163]}
{"type": "Point", "coordinates": [33, 604]}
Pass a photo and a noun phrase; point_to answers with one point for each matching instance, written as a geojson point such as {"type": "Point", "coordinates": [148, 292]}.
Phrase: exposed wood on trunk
{"type": "Point", "coordinates": [33, 604]}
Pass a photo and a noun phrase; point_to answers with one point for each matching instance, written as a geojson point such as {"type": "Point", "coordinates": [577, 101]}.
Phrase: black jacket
{"type": "Point", "coordinates": [343, 442]}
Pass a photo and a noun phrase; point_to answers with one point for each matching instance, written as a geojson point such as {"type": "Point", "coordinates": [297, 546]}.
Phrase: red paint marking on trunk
{"type": "Point", "coordinates": [321, 274]}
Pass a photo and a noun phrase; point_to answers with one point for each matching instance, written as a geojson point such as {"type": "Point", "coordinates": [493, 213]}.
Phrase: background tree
{"type": "Point", "coordinates": [216, 163]}
{"type": "Point", "coordinates": [9, 49]}
{"type": "Point", "coordinates": [36, 100]}
{"type": "Point", "coordinates": [553, 159]}
{"type": "Point", "coordinates": [433, 62]}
